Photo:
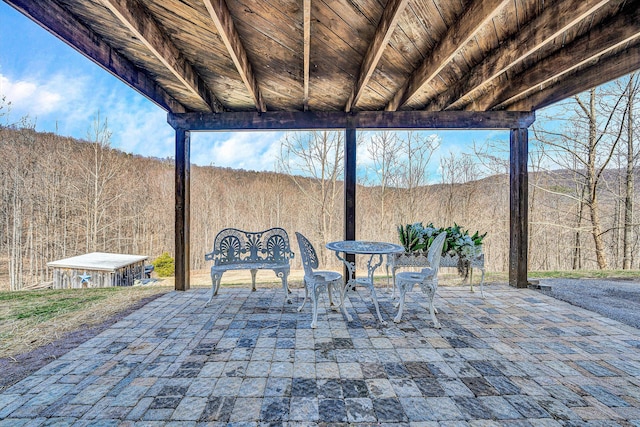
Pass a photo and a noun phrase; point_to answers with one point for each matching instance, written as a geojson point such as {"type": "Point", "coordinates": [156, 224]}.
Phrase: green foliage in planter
{"type": "Point", "coordinates": [164, 265]}
{"type": "Point", "coordinates": [410, 238]}
{"type": "Point", "coordinates": [417, 237]}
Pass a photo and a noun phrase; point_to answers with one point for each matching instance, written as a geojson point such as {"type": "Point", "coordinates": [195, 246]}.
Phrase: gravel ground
{"type": "Point", "coordinates": [616, 299]}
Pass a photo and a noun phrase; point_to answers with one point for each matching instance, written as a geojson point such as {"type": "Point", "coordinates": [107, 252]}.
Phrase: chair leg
{"type": "Point", "coordinates": [331, 288]}
{"type": "Point", "coordinates": [429, 289]}
{"type": "Point", "coordinates": [402, 291]}
{"type": "Point", "coordinates": [306, 295]}
{"type": "Point", "coordinates": [393, 274]}
{"type": "Point", "coordinates": [314, 307]}
{"type": "Point", "coordinates": [433, 315]}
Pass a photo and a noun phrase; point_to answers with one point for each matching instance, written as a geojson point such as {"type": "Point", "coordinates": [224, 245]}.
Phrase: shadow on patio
{"type": "Point", "coordinates": [517, 357]}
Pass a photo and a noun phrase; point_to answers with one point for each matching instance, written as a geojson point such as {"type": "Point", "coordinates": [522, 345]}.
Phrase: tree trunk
{"type": "Point", "coordinates": [628, 199]}
{"type": "Point", "coordinates": [596, 226]}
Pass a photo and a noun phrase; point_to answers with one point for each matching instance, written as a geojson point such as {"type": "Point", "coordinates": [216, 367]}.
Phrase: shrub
{"type": "Point", "coordinates": [164, 265]}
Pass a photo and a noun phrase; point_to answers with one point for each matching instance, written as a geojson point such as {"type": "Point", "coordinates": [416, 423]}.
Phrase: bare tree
{"type": "Point", "coordinates": [631, 92]}
{"type": "Point", "coordinates": [383, 149]}
{"type": "Point", "coordinates": [415, 150]}
{"type": "Point", "coordinates": [99, 192]}
{"type": "Point", "coordinates": [317, 155]}
{"type": "Point", "coordinates": [457, 173]}
{"type": "Point", "coordinates": [585, 147]}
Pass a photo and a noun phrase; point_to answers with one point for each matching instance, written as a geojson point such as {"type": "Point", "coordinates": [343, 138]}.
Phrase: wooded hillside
{"type": "Point", "coordinates": [63, 197]}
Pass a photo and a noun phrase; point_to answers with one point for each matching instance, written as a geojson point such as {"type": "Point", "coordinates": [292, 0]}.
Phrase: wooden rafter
{"type": "Point", "coordinates": [62, 24]}
{"type": "Point", "coordinates": [136, 18]}
{"type": "Point", "coordinates": [224, 23]}
{"type": "Point", "coordinates": [457, 36]}
{"type": "Point", "coordinates": [609, 35]}
{"type": "Point", "coordinates": [606, 69]}
{"type": "Point", "coordinates": [385, 28]}
{"type": "Point", "coordinates": [552, 22]}
{"type": "Point", "coordinates": [306, 18]}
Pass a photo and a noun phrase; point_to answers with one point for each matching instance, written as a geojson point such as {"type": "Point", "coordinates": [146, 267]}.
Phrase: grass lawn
{"type": "Point", "coordinates": [29, 319]}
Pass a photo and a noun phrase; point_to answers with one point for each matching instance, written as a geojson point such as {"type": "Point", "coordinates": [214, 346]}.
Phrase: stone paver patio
{"type": "Point", "coordinates": [515, 358]}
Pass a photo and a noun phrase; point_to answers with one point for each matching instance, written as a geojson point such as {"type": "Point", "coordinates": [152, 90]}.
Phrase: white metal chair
{"type": "Point", "coordinates": [427, 279]}
{"type": "Point", "coordinates": [315, 281]}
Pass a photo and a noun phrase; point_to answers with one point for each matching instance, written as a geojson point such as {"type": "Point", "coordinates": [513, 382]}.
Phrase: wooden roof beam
{"type": "Point", "coordinates": [62, 24]}
{"type": "Point", "coordinates": [221, 16]}
{"type": "Point", "coordinates": [305, 120]}
{"type": "Point", "coordinates": [136, 18]}
{"type": "Point", "coordinates": [611, 34]}
{"type": "Point", "coordinates": [556, 18]}
{"type": "Point", "coordinates": [383, 33]}
{"type": "Point", "coordinates": [605, 70]}
{"type": "Point", "coordinates": [306, 19]}
{"type": "Point", "coordinates": [457, 36]}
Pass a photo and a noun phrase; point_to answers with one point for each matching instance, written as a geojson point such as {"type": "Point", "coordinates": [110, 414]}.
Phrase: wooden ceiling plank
{"type": "Point", "coordinates": [289, 120]}
{"type": "Point", "coordinates": [605, 70]}
{"type": "Point", "coordinates": [553, 21]}
{"type": "Point", "coordinates": [221, 17]}
{"type": "Point", "coordinates": [135, 17]}
{"type": "Point", "coordinates": [62, 24]}
{"type": "Point", "coordinates": [457, 36]}
{"type": "Point", "coordinates": [607, 36]}
{"type": "Point", "coordinates": [386, 26]}
{"type": "Point", "coordinates": [306, 18]}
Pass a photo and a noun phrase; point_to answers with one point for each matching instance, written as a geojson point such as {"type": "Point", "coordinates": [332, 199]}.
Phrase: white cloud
{"type": "Point", "coordinates": [239, 150]}
{"type": "Point", "coordinates": [35, 97]}
{"type": "Point", "coordinates": [68, 105]}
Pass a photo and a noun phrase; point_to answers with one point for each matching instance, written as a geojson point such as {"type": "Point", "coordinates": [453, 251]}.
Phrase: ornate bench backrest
{"type": "Point", "coordinates": [233, 246]}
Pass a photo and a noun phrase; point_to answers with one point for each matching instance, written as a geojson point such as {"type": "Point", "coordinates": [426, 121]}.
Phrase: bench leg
{"type": "Point", "coordinates": [215, 285]}
{"type": "Point", "coordinates": [253, 279]}
{"type": "Point", "coordinates": [283, 274]}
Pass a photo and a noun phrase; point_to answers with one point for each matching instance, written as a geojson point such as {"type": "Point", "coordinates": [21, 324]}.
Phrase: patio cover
{"type": "Point", "coordinates": [347, 64]}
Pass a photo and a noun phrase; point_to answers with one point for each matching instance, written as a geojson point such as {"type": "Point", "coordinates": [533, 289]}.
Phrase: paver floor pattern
{"type": "Point", "coordinates": [516, 358]}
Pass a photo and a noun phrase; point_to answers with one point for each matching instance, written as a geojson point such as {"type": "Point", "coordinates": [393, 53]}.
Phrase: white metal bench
{"type": "Point", "coordinates": [235, 249]}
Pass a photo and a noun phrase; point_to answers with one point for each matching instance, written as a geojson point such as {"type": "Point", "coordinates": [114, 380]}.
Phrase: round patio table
{"type": "Point", "coordinates": [362, 247]}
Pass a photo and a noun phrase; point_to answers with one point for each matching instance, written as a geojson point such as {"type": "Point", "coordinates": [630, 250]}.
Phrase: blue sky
{"type": "Point", "coordinates": [62, 91]}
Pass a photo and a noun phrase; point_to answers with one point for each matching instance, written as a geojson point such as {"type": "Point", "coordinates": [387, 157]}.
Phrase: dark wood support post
{"type": "Point", "coordinates": [519, 208]}
{"type": "Point", "coordinates": [182, 218]}
{"type": "Point", "coordinates": [349, 191]}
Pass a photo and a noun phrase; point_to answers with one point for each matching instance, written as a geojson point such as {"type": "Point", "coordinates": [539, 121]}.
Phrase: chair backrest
{"type": "Point", "coordinates": [435, 251]}
{"type": "Point", "coordinates": [308, 255]}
